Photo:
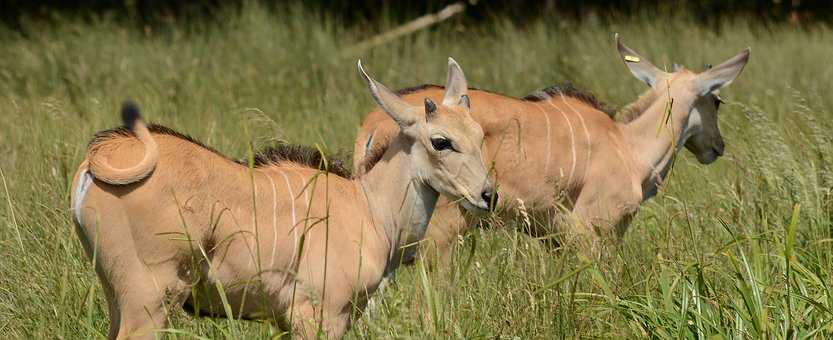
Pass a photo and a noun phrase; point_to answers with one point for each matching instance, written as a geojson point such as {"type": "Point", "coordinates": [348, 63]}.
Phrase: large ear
{"type": "Point", "coordinates": [723, 74]}
{"type": "Point", "coordinates": [401, 112]}
{"type": "Point", "coordinates": [639, 66]}
{"type": "Point", "coordinates": [456, 88]}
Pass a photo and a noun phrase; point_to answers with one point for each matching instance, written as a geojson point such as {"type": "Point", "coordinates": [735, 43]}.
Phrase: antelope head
{"type": "Point", "coordinates": [701, 133]}
{"type": "Point", "coordinates": [443, 141]}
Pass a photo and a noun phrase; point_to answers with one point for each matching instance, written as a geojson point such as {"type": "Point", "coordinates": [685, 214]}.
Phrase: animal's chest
{"type": "Point", "coordinates": [651, 185]}
{"type": "Point", "coordinates": [649, 190]}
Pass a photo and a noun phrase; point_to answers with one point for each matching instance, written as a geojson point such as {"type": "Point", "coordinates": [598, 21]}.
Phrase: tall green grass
{"type": "Point", "coordinates": [738, 249]}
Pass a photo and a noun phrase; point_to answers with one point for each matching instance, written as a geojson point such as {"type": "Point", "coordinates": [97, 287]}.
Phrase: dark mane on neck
{"type": "Point", "coordinates": [634, 110]}
{"type": "Point", "coordinates": [423, 87]}
{"type": "Point", "coordinates": [417, 88]}
{"type": "Point", "coordinates": [302, 155]}
{"type": "Point", "coordinates": [374, 155]}
{"type": "Point", "coordinates": [299, 154]}
{"type": "Point", "coordinates": [567, 89]}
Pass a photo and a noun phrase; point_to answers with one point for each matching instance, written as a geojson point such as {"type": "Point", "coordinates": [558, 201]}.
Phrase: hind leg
{"type": "Point", "coordinates": [137, 295]}
{"type": "Point", "coordinates": [112, 305]}
{"type": "Point", "coordinates": [109, 294]}
{"type": "Point", "coordinates": [141, 298]}
{"type": "Point", "coordinates": [136, 292]}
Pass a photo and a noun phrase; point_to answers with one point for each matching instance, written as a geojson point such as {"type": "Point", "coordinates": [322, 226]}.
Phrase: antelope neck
{"type": "Point", "coordinates": [399, 201]}
{"type": "Point", "coordinates": [656, 136]}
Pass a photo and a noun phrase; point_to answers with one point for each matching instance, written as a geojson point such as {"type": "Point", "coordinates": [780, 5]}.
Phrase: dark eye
{"type": "Point", "coordinates": [441, 143]}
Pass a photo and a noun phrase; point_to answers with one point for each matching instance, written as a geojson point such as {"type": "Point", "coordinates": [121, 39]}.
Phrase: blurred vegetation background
{"type": "Point", "coordinates": [740, 249]}
{"type": "Point", "coordinates": [14, 12]}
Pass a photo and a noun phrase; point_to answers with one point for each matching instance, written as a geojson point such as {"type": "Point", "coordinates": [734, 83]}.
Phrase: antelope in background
{"type": "Point", "coordinates": [169, 222]}
{"type": "Point", "coordinates": [557, 148]}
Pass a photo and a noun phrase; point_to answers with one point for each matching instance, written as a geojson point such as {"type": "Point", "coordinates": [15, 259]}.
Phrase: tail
{"type": "Point", "coordinates": [102, 170]}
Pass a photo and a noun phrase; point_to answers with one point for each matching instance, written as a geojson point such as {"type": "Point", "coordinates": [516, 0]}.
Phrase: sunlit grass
{"type": "Point", "coordinates": [741, 248]}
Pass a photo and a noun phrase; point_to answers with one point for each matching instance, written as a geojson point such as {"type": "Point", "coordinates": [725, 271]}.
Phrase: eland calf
{"type": "Point", "coordinates": [557, 148]}
{"type": "Point", "coordinates": [169, 222]}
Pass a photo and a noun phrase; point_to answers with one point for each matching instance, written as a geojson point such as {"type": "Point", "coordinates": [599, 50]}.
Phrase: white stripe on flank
{"type": "Point", "coordinates": [305, 187]}
{"type": "Point", "coordinates": [586, 133]}
{"type": "Point", "coordinates": [291, 197]}
{"type": "Point", "coordinates": [274, 220]}
{"type": "Point", "coordinates": [255, 257]}
{"type": "Point", "coordinates": [549, 139]}
{"type": "Point", "coordinates": [84, 182]}
{"type": "Point", "coordinates": [294, 220]}
{"type": "Point", "coordinates": [572, 139]}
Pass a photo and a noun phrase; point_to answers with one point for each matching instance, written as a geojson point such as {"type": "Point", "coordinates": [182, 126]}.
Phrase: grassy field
{"type": "Point", "coordinates": [742, 248]}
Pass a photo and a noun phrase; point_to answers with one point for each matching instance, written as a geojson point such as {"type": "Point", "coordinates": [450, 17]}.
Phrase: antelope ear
{"type": "Point", "coordinates": [399, 110]}
{"type": "Point", "coordinates": [723, 74]}
{"type": "Point", "coordinates": [456, 88]}
{"type": "Point", "coordinates": [641, 68]}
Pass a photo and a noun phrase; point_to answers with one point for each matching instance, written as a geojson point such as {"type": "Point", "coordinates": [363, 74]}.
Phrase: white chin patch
{"type": "Point", "coordinates": [84, 181]}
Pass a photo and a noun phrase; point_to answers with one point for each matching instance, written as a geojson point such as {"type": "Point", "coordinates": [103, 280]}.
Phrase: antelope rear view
{"type": "Point", "coordinates": [169, 222]}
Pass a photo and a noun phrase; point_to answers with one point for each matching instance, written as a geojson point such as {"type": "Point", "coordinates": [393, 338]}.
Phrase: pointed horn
{"type": "Point", "coordinates": [456, 85]}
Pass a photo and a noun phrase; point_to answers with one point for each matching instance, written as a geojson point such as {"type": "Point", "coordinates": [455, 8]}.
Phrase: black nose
{"type": "Point", "coordinates": [490, 196]}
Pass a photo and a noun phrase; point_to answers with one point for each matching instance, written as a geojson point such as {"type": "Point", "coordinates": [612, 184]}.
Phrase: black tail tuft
{"type": "Point", "coordinates": [130, 113]}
